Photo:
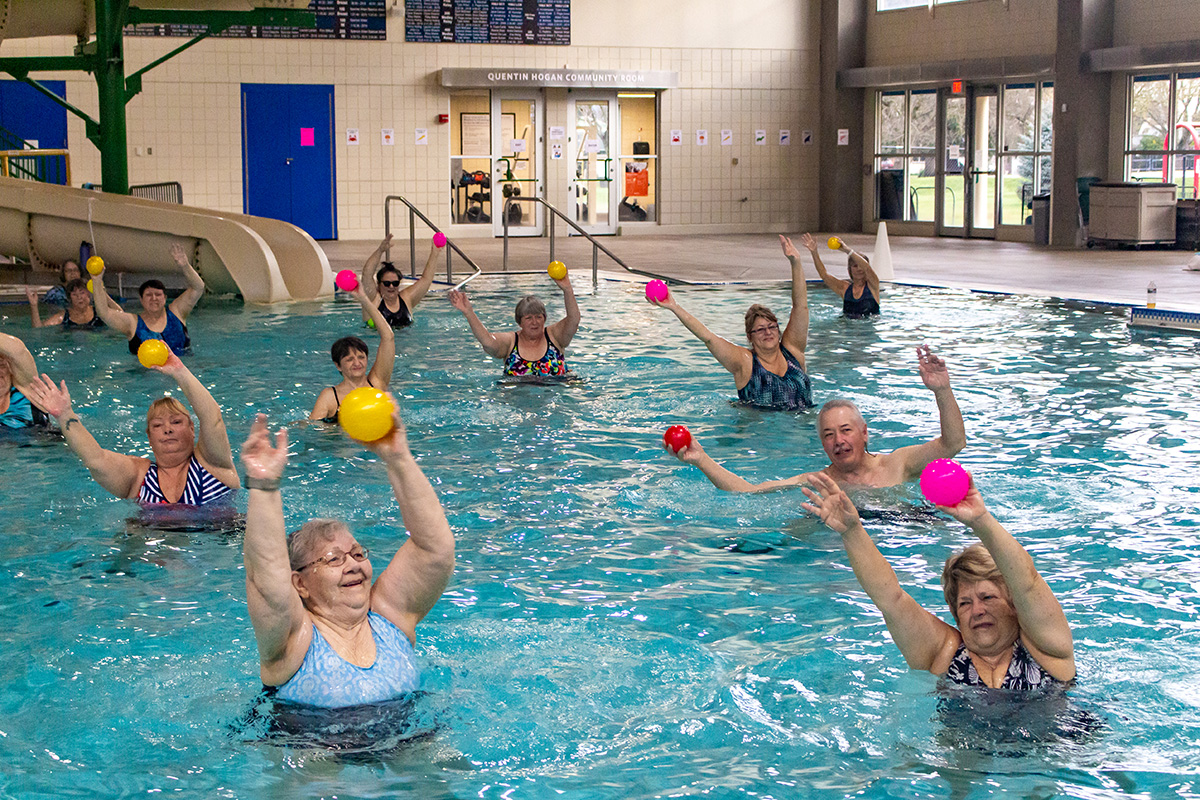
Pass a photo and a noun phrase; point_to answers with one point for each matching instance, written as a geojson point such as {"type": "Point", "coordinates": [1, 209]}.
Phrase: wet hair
{"type": "Point", "coordinates": [153, 283]}
{"type": "Point", "coordinates": [74, 286]}
{"type": "Point", "coordinates": [840, 402]}
{"type": "Point", "coordinates": [62, 271]}
{"type": "Point", "coordinates": [970, 565]}
{"type": "Point", "coordinates": [529, 305]}
{"type": "Point", "coordinates": [385, 269]}
{"type": "Point", "coordinates": [305, 539]}
{"type": "Point", "coordinates": [754, 312]}
{"type": "Point", "coordinates": [165, 407]}
{"type": "Point", "coordinates": [342, 347]}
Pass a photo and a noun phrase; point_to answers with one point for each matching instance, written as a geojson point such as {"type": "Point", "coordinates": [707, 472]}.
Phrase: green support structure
{"type": "Point", "coordinates": [104, 57]}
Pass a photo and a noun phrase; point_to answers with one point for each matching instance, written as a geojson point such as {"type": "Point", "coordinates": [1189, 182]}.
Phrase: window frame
{"type": "Point", "coordinates": [1173, 157]}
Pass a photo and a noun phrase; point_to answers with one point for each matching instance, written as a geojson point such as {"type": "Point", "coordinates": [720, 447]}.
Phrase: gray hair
{"type": "Point", "coordinates": [303, 541]}
{"type": "Point", "coordinates": [840, 402]}
{"type": "Point", "coordinates": [530, 305]}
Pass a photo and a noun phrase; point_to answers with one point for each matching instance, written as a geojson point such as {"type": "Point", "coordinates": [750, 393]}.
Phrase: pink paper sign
{"type": "Point", "coordinates": [308, 137]}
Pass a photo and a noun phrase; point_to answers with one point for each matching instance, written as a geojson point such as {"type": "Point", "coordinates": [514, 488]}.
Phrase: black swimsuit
{"type": "Point", "coordinates": [859, 307]}
{"type": "Point", "coordinates": [1024, 674]}
{"type": "Point", "coordinates": [333, 418]}
{"type": "Point", "coordinates": [400, 318]}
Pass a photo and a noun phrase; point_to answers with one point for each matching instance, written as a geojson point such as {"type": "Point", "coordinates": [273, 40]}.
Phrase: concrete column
{"type": "Point", "coordinates": [1081, 111]}
{"type": "Point", "coordinates": [843, 46]}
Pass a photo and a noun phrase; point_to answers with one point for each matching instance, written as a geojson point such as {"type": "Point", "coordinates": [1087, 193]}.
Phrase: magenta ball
{"type": "Point", "coordinates": [346, 280]}
{"type": "Point", "coordinates": [944, 482]}
{"type": "Point", "coordinates": [439, 239]}
{"type": "Point", "coordinates": [656, 291]}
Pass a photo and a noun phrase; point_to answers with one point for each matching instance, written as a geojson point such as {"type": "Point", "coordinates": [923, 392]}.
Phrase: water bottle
{"type": "Point", "coordinates": [1151, 295]}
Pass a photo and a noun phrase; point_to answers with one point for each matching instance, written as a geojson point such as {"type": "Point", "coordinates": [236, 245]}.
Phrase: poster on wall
{"type": "Point", "coordinates": [476, 133]}
{"type": "Point", "coordinates": [488, 21]}
{"type": "Point", "coordinates": [363, 20]}
{"type": "Point", "coordinates": [637, 179]}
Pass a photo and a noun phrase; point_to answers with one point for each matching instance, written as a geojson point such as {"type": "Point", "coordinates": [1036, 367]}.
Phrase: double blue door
{"type": "Point", "coordinates": [288, 157]}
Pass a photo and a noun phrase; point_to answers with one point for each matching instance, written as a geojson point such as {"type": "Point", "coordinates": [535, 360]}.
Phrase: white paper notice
{"type": "Point", "coordinates": [785, 137]}
{"type": "Point", "coordinates": [726, 137]}
{"type": "Point", "coordinates": [556, 150]}
{"type": "Point", "coordinates": [676, 137]}
{"type": "Point", "coordinates": [701, 137]}
{"type": "Point", "coordinates": [558, 132]}
{"type": "Point", "coordinates": [843, 137]}
{"type": "Point", "coordinates": [351, 135]}
{"type": "Point", "coordinates": [760, 137]}
{"type": "Point", "coordinates": [806, 137]}
{"type": "Point", "coordinates": [517, 145]}
{"type": "Point", "coordinates": [591, 145]}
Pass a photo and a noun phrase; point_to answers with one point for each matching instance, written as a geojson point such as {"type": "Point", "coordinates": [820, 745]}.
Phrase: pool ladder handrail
{"type": "Point", "coordinates": [413, 213]}
{"type": "Point", "coordinates": [597, 248]}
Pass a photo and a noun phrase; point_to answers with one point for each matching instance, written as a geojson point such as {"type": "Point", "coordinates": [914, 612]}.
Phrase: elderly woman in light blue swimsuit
{"type": "Point", "coordinates": [327, 636]}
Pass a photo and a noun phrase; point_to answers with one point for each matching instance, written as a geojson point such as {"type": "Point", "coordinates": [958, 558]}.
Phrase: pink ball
{"type": "Point", "coordinates": [439, 239]}
{"type": "Point", "coordinates": [656, 291]}
{"type": "Point", "coordinates": [944, 482]}
{"type": "Point", "coordinates": [346, 280]}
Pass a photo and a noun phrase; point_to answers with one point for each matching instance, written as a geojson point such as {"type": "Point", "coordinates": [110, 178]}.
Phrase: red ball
{"type": "Point", "coordinates": [677, 438]}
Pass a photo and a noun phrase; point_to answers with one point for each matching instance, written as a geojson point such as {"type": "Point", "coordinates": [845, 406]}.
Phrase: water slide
{"type": "Point", "coordinates": [234, 253]}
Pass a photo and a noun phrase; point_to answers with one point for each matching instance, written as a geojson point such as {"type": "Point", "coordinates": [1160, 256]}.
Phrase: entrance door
{"type": "Point", "coordinates": [967, 175]}
{"type": "Point", "coordinates": [517, 145]}
{"type": "Point", "coordinates": [595, 132]}
{"type": "Point", "coordinates": [288, 155]}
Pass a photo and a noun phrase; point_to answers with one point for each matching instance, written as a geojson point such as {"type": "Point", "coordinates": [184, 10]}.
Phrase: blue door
{"type": "Point", "coordinates": [288, 158]}
{"type": "Point", "coordinates": [27, 115]}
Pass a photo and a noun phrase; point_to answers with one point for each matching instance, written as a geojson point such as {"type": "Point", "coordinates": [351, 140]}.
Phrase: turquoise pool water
{"type": "Point", "coordinates": [618, 628]}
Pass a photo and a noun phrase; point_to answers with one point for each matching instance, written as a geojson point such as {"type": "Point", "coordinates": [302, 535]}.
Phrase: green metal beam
{"type": "Point", "coordinates": [217, 21]}
{"type": "Point", "coordinates": [93, 127]}
{"type": "Point", "coordinates": [133, 84]}
{"type": "Point", "coordinates": [20, 66]}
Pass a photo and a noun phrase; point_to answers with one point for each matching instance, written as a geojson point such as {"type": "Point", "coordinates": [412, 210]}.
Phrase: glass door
{"type": "Point", "coordinates": [967, 175]}
{"type": "Point", "coordinates": [592, 199]}
{"type": "Point", "coordinates": [517, 175]}
{"type": "Point", "coordinates": [471, 160]}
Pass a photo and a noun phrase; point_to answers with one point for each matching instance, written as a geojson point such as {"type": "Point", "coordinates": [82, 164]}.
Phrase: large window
{"type": "Point", "coordinates": [1025, 160]}
{"type": "Point", "coordinates": [906, 155]}
{"type": "Point", "coordinates": [1164, 131]}
{"type": "Point", "coordinates": [888, 5]}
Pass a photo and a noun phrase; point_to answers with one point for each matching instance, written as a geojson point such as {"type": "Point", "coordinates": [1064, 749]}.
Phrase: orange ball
{"type": "Point", "coordinates": [95, 265]}
{"type": "Point", "coordinates": [366, 414]}
{"type": "Point", "coordinates": [153, 353]}
{"type": "Point", "coordinates": [557, 270]}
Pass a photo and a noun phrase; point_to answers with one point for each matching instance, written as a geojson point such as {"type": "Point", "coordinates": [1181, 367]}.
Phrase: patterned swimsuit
{"type": "Point", "coordinates": [554, 363]}
{"type": "Point", "coordinates": [791, 390]}
{"type": "Point", "coordinates": [1023, 673]}
{"type": "Point", "coordinates": [201, 488]}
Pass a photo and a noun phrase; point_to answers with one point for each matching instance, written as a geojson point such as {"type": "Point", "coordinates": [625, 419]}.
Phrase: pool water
{"type": "Point", "coordinates": [617, 627]}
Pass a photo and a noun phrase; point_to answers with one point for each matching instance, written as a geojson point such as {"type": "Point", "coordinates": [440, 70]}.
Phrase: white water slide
{"type": "Point", "coordinates": [264, 260]}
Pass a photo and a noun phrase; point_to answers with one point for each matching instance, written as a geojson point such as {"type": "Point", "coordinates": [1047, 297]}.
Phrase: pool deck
{"type": "Point", "coordinates": [1095, 275]}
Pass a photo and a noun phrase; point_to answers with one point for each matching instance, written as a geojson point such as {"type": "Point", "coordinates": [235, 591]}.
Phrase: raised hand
{"type": "Point", "coordinates": [789, 249]}
{"type": "Point", "coordinates": [173, 365]}
{"type": "Point", "coordinates": [459, 300]}
{"type": "Point", "coordinates": [809, 242]}
{"type": "Point", "coordinates": [970, 509]}
{"type": "Point", "coordinates": [259, 458]}
{"type": "Point", "coordinates": [179, 254]}
{"type": "Point", "coordinates": [31, 295]}
{"type": "Point", "coordinates": [830, 503]}
{"type": "Point", "coordinates": [395, 444]}
{"type": "Point", "coordinates": [54, 400]}
{"type": "Point", "coordinates": [933, 369]}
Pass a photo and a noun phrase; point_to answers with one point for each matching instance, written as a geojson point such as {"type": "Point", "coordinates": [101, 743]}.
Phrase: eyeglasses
{"type": "Point", "coordinates": [764, 330]}
{"type": "Point", "coordinates": [337, 559]}
{"type": "Point", "coordinates": [389, 283]}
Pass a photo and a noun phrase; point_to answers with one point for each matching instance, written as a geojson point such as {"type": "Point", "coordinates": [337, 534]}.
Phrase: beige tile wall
{"type": "Point", "coordinates": [186, 122]}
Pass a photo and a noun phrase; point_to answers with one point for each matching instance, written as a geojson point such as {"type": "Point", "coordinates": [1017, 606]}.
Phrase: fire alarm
{"type": "Point", "coordinates": [443, 118]}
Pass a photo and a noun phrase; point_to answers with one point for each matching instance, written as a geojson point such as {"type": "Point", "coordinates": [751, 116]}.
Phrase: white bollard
{"type": "Point", "coordinates": [881, 259]}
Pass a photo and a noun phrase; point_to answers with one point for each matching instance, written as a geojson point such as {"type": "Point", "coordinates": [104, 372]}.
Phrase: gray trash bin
{"type": "Point", "coordinates": [1041, 219]}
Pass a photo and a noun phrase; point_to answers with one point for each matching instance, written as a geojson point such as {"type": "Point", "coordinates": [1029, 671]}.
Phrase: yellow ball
{"type": "Point", "coordinates": [95, 265]}
{"type": "Point", "coordinates": [557, 270]}
{"type": "Point", "coordinates": [366, 414]}
{"type": "Point", "coordinates": [835, 243]}
{"type": "Point", "coordinates": [91, 289]}
{"type": "Point", "coordinates": [153, 353]}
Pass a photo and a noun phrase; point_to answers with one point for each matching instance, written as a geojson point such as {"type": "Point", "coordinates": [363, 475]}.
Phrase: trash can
{"type": "Point", "coordinates": [1041, 219]}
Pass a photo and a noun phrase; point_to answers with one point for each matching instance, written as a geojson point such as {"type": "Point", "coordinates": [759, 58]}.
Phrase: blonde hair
{"type": "Point", "coordinates": [970, 565]}
{"type": "Point", "coordinates": [165, 407]}
{"type": "Point", "coordinates": [754, 312]}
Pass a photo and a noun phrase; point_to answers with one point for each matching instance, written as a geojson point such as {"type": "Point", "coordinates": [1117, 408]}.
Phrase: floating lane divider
{"type": "Point", "coordinates": [1161, 318]}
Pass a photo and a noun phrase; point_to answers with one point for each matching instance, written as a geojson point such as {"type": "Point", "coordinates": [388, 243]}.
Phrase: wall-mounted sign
{"type": "Point", "coordinates": [760, 137]}
{"type": "Point", "coordinates": [843, 137]}
{"type": "Point", "coordinates": [701, 137]}
{"type": "Point", "coordinates": [487, 21]}
{"type": "Point", "coordinates": [336, 19]}
{"type": "Point", "coordinates": [517, 145]}
{"type": "Point", "coordinates": [806, 137]}
{"type": "Point", "coordinates": [351, 135]}
{"type": "Point", "coordinates": [421, 136]}
{"type": "Point", "coordinates": [726, 137]}
{"type": "Point", "coordinates": [785, 137]}
{"type": "Point", "coordinates": [676, 137]}
{"type": "Point", "coordinates": [558, 132]}
{"type": "Point", "coordinates": [388, 137]}
{"type": "Point", "coordinates": [556, 150]}
{"type": "Point", "coordinates": [473, 77]}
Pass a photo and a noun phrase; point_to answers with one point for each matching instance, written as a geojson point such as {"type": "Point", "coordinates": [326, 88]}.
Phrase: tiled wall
{"type": "Point", "coordinates": [185, 125]}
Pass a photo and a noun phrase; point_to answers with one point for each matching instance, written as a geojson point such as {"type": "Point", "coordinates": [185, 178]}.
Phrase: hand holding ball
{"type": "Point", "coordinates": [677, 438]}
{"type": "Point", "coordinates": [835, 243]}
{"type": "Point", "coordinates": [944, 482]}
{"type": "Point", "coordinates": [557, 270]}
{"type": "Point", "coordinates": [95, 265]}
{"type": "Point", "coordinates": [346, 280]}
{"type": "Point", "coordinates": [366, 414]}
{"type": "Point", "coordinates": [153, 353]}
{"type": "Point", "coordinates": [439, 239]}
{"type": "Point", "coordinates": [656, 291]}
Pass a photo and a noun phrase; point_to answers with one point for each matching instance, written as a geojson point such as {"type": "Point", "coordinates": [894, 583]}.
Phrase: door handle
{"type": "Point", "coordinates": [288, 161]}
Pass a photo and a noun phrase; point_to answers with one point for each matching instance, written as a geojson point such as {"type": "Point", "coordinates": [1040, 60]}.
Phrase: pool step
{"type": "Point", "coordinates": [1161, 318]}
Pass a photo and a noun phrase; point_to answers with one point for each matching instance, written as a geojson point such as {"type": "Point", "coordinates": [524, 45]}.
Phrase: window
{"type": "Point", "coordinates": [888, 5]}
{"type": "Point", "coordinates": [1025, 161]}
{"type": "Point", "coordinates": [1164, 131]}
{"type": "Point", "coordinates": [906, 155]}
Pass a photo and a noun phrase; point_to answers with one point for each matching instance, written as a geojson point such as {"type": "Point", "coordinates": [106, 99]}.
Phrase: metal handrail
{"type": "Point", "coordinates": [15, 161]}
{"type": "Point", "coordinates": [413, 213]}
{"type": "Point", "coordinates": [596, 246]}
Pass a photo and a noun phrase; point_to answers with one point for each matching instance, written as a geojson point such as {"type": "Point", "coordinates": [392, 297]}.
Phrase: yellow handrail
{"type": "Point", "coordinates": [7, 155]}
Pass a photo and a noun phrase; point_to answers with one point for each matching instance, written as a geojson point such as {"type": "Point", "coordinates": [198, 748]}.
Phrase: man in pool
{"type": "Point", "coordinates": [328, 637]}
{"type": "Point", "coordinates": [844, 437]}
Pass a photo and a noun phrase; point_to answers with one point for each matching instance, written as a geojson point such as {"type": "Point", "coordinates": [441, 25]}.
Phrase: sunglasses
{"type": "Point", "coordinates": [389, 283]}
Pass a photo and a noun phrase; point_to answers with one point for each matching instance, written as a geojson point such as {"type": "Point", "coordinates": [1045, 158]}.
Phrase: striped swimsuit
{"type": "Point", "coordinates": [201, 488]}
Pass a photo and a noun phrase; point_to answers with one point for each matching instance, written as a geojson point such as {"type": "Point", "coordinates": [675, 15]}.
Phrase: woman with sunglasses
{"type": "Point", "coordinates": [350, 355]}
{"type": "Point", "coordinates": [770, 373]}
{"type": "Point", "coordinates": [327, 636]}
{"type": "Point", "coordinates": [383, 286]}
